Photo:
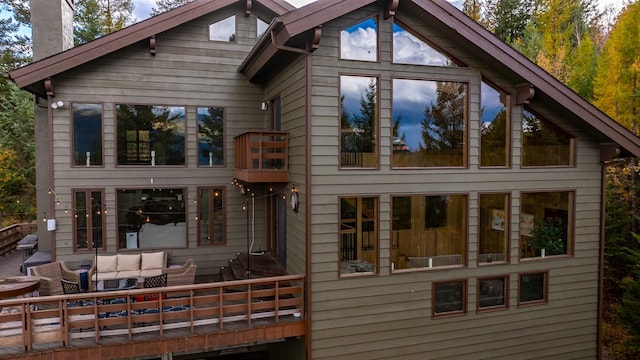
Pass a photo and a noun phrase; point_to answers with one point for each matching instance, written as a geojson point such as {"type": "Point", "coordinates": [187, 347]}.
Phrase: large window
{"type": "Point", "coordinates": [151, 218]}
{"type": "Point", "coordinates": [87, 134]}
{"type": "Point", "coordinates": [88, 219]}
{"type": "Point", "coordinates": [494, 129]}
{"type": "Point", "coordinates": [210, 136]}
{"type": "Point", "coordinates": [532, 288]}
{"type": "Point", "coordinates": [429, 123]}
{"type": "Point", "coordinates": [150, 135]}
{"type": "Point", "coordinates": [210, 216]}
{"type": "Point", "coordinates": [358, 235]}
{"type": "Point", "coordinates": [546, 224]}
{"type": "Point", "coordinates": [360, 42]}
{"type": "Point", "coordinates": [543, 143]}
{"type": "Point", "coordinates": [409, 49]}
{"type": "Point", "coordinates": [223, 30]}
{"type": "Point", "coordinates": [494, 228]}
{"type": "Point", "coordinates": [430, 231]}
{"type": "Point", "coordinates": [358, 121]}
{"type": "Point", "coordinates": [449, 298]}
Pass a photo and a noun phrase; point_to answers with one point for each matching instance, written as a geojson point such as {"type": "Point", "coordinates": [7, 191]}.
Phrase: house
{"type": "Point", "coordinates": [395, 153]}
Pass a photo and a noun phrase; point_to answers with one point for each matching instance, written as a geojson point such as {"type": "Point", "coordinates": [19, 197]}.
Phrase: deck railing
{"type": "Point", "coordinates": [261, 156]}
{"type": "Point", "coordinates": [93, 319]}
{"type": "Point", "coordinates": [10, 235]}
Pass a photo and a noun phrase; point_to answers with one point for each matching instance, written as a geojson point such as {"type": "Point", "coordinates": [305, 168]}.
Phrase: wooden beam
{"type": "Point", "coordinates": [524, 93]}
{"type": "Point", "coordinates": [390, 10]}
{"type": "Point", "coordinates": [247, 10]}
{"type": "Point", "coordinates": [152, 45]}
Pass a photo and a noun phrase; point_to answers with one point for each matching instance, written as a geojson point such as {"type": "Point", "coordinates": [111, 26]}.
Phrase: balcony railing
{"type": "Point", "coordinates": [225, 313]}
{"type": "Point", "coordinates": [261, 156]}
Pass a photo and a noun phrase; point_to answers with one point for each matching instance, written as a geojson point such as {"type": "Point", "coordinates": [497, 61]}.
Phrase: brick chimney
{"type": "Point", "coordinates": [52, 27]}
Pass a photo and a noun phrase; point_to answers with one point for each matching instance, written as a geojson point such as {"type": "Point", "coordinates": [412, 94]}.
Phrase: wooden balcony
{"type": "Point", "coordinates": [116, 324]}
{"type": "Point", "coordinates": [262, 157]}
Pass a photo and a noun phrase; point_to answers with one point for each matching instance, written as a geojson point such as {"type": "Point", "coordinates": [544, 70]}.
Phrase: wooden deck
{"type": "Point", "coordinates": [185, 318]}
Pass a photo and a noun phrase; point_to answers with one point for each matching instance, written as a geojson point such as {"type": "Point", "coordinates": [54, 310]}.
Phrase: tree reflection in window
{"type": "Point", "coordinates": [409, 49]}
{"type": "Point", "coordinates": [150, 135]}
{"type": "Point", "coordinates": [494, 125]}
{"type": "Point", "coordinates": [210, 136]}
{"type": "Point", "coordinates": [87, 134]}
{"type": "Point", "coordinates": [223, 30]}
{"type": "Point", "coordinates": [543, 143]}
{"type": "Point", "coordinates": [429, 123]}
{"type": "Point", "coordinates": [360, 41]}
{"type": "Point", "coordinates": [358, 121]}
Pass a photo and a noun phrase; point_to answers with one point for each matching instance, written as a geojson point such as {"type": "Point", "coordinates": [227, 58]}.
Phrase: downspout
{"type": "Point", "coordinates": [307, 207]}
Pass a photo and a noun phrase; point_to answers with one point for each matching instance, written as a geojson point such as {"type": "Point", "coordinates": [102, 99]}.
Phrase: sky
{"type": "Point", "coordinates": [143, 7]}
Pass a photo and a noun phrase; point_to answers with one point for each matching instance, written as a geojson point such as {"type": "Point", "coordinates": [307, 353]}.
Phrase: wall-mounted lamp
{"type": "Point", "coordinates": [264, 106]}
{"type": "Point", "coordinates": [57, 104]}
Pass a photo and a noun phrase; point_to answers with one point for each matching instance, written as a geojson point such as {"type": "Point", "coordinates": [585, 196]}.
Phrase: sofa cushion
{"type": "Point", "coordinates": [151, 272]}
{"type": "Point", "coordinates": [153, 260]}
{"type": "Point", "coordinates": [128, 262]}
{"type": "Point", "coordinates": [128, 274]}
{"type": "Point", "coordinates": [107, 263]}
{"type": "Point", "coordinates": [104, 276]}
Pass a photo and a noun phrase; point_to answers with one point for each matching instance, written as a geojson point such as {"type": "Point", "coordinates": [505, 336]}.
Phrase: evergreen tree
{"type": "Point", "coordinates": [166, 5]}
{"type": "Point", "coordinates": [443, 123]}
{"type": "Point", "coordinates": [87, 25]}
{"type": "Point", "coordinates": [508, 19]}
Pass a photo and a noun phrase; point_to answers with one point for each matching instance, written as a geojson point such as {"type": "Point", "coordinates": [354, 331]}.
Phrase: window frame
{"type": "Point", "coordinates": [89, 205]}
{"type": "Point", "coordinates": [224, 143]}
{"type": "Point", "coordinates": [466, 123]}
{"type": "Point", "coordinates": [211, 215]}
{"type": "Point", "coordinates": [74, 163]}
{"type": "Point", "coordinates": [572, 140]}
{"type": "Point", "coordinates": [376, 19]}
{"type": "Point", "coordinates": [508, 126]}
{"type": "Point", "coordinates": [121, 209]}
{"type": "Point", "coordinates": [545, 289]}
{"type": "Point", "coordinates": [505, 293]}
{"type": "Point", "coordinates": [463, 299]}
{"type": "Point", "coordinates": [359, 243]}
{"type": "Point", "coordinates": [235, 29]}
{"type": "Point", "coordinates": [405, 25]}
{"type": "Point", "coordinates": [571, 226]}
{"type": "Point", "coordinates": [377, 127]}
{"type": "Point", "coordinates": [506, 228]}
{"type": "Point", "coordinates": [150, 162]}
{"type": "Point", "coordinates": [395, 250]}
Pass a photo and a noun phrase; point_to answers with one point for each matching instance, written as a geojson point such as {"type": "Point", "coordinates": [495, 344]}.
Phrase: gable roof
{"type": "Point", "coordinates": [31, 77]}
{"type": "Point", "coordinates": [444, 16]}
{"type": "Point", "coordinates": [293, 28]}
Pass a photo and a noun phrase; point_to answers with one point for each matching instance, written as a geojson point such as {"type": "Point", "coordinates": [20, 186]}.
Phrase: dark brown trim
{"type": "Point", "coordinates": [31, 74]}
{"type": "Point", "coordinates": [609, 151]}
{"type": "Point", "coordinates": [524, 93]}
{"type": "Point", "coordinates": [545, 290]}
{"type": "Point", "coordinates": [247, 9]}
{"type": "Point", "coordinates": [485, 42]}
{"type": "Point", "coordinates": [464, 300]}
{"type": "Point", "coordinates": [152, 45]}
{"type": "Point", "coordinates": [505, 290]}
{"type": "Point", "coordinates": [603, 202]}
{"type": "Point", "coordinates": [307, 207]}
{"type": "Point", "coordinates": [390, 9]}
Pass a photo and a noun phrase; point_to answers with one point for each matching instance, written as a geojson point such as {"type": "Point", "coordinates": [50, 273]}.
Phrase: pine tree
{"type": "Point", "coordinates": [166, 5]}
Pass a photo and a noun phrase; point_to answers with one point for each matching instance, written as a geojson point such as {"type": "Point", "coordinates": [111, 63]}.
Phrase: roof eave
{"type": "Point", "coordinates": [540, 79]}
{"type": "Point", "coordinates": [28, 76]}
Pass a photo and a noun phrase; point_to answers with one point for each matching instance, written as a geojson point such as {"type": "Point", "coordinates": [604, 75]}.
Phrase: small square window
{"type": "Point", "coordinates": [492, 293]}
{"type": "Point", "coordinates": [449, 298]}
{"type": "Point", "coordinates": [533, 288]}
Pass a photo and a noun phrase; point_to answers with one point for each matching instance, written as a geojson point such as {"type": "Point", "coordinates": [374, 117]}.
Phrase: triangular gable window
{"type": "Point", "coordinates": [543, 143]}
{"type": "Point", "coordinates": [360, 41]}
{"type": "Point", "coordinates": [409, 49]}
{"type": "Point", "coordinates": [223, 30]}
{"type": "Point", "coordinates": [261, 27]}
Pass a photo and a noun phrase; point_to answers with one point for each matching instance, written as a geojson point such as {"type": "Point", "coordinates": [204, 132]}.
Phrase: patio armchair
{"type": "Point", "coordinates": [181, 275]}
{"type": "Point", "coordinates": [51, 275]}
